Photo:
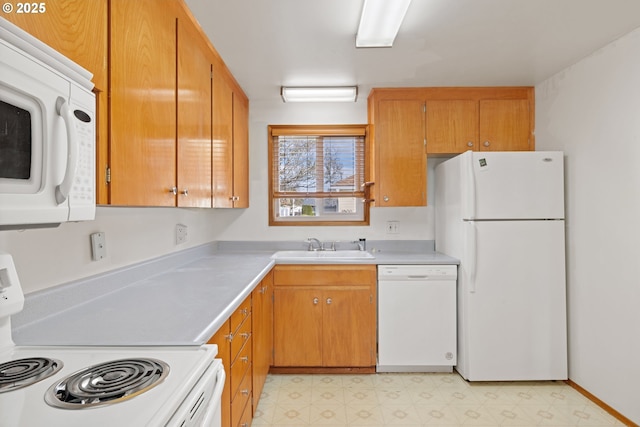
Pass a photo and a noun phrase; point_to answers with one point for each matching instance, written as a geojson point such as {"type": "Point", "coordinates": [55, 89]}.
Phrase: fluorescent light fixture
{"type": "Point", "coordinates": [380, 22]}
{"type": "Point", "coordinates": [319, 94]}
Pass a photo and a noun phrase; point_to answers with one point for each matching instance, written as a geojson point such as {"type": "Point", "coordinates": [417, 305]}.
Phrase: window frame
{"type": "Point", "coordinates": [319, 130]}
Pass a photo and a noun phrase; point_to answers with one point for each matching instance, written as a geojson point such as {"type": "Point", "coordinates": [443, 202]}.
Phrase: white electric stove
{"type": "Point", "coordinates": [102, 386]}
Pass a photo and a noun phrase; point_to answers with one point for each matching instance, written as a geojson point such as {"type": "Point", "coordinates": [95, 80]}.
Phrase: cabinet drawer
{"type": "Point", "coordinates": [241, 314]}
{"type": "Point", "coordinates": [314, 275]}
{"type": "Point", "coordinates": [240, 367]}
{"type": "Point", "coordinates": [239, 405]}
{"type": "Point", "coordinates": [240, 338]}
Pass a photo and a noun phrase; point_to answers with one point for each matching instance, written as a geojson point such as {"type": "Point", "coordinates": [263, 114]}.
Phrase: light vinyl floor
{"type": "Point", "coordinates": [437, 399]}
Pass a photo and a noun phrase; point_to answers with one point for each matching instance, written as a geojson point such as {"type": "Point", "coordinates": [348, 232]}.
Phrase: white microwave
{"type": "Point", "coordinates": [47, 134]}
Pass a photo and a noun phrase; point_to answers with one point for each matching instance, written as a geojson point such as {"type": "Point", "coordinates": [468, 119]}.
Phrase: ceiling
{"type": "Point", "coordinates": [270, 43]}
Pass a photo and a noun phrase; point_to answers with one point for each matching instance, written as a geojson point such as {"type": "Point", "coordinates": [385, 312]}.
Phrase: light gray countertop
{"type": "Point", "coordinates": [178, 299]}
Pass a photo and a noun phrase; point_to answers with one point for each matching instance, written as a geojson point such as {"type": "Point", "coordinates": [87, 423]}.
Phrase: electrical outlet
{"type": "Point", "coordinates": [181, 233]}
{"type": "Point", "coordinates": [393, 227]}
{"type": "Point", "coordinates": [98, 246]}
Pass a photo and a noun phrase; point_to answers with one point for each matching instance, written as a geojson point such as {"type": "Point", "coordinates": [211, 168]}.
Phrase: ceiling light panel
{"type": "Point", "coordinates": [380, 22]}
{"type": "Point", "coordinates": [319, 94]}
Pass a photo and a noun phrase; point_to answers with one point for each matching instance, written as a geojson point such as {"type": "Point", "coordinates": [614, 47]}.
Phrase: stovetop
{"type": "Point", "coordinates": [176, 370]}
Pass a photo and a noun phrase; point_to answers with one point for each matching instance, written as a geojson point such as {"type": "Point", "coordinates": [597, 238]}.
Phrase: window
{"type": "Point", "coordinates": [317, 175]}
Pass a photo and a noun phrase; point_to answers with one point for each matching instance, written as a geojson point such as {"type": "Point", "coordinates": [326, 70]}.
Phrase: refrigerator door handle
{"type": "Point", "coordinates": [472, 255]}
{"type": "Point", "coordinates": [470, 178]}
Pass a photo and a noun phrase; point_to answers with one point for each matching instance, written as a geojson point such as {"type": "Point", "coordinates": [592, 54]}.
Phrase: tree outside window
{"type": "Point", "coordinates": [317, 175]}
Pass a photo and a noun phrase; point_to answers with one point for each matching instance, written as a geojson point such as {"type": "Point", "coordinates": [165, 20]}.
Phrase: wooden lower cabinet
{"type": "Point", "coordinates": [245, 345]}
{"type": "Point", "coordinates": [235, 349]}
{"type": "Point", "coordinates": [324, 316]}
{"type": "Point", "coordinates": [262, 317]}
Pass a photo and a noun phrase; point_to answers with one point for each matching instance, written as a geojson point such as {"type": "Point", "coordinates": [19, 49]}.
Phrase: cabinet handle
{"type": "Point", "coordinates": [385, 198]}
{"type": "Point", "coordinates": [234, 198]}
{"type": "Point", "coordinates": [244, 425]}
{"type": "Point", "coordinates": [315, 301]}
{"type": "Point", "coordinates": [486, 143]}
{"type": "Point", "coordinates": [245, 335]}
{"type": "Point", "coordinates": [185, 192]}
{"type": "Point", "coordinates": [245, 312]}
{"type": "Point", "coordinates": [245, 392]}
{"type": "Point", "coordinates": [229, 337]}
{"type": "Point", "coordinates": [173, 190]}
{"type": "Point", "coordinates": [470, 144]}
{"type": "Point", "coordinates": [329, 301]}
{"type": "Point", "coordinates": [245, 359]}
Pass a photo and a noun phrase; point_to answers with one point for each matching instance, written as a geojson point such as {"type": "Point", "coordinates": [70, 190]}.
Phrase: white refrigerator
{"type": "Point", "coordinates": [502, 215]}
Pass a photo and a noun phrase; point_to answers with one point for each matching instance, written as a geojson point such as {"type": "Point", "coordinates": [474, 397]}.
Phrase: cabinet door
{"type": "Point", "coordinates": [194, 118]}
{"type": "Point", "coordinates": [143, 103]}
{"type": "Point", "coordinates": [451, 126]}
{"type": "Point", "coordinates": [505, 125]}
{"type": "Point", "coordinates": [222, 155]}
{"type": "Point", "coordinates": [348, 327]}
{"type": "Point", "coordinates": [297, 327]}
{"type": "Point", "coordinates": [222, 340]}
{"type": "Point", "coordinates": [401, 160]}
{"type": "Point", "coordinates": [240, 151]}
{"type": "Point", "coordinates": [75, 28]}
{"type": "Point", "coordinates": [262, 335]}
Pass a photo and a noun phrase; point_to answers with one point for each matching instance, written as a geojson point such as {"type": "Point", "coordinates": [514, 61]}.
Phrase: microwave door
{"type": "Point", "coordinates": [33, 144]}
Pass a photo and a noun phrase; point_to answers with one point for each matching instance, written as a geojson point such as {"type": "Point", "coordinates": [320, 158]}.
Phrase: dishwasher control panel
{"type": "Point", "coordinates": [417, 272]}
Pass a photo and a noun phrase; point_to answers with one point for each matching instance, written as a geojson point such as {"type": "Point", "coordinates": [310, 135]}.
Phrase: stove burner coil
{"type": "Point", "coordinates": [107, 383]}
{"type": "Point", "coordinates": [20, 373]}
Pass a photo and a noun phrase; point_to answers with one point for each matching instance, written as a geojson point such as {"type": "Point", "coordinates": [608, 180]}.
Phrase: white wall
{"type": "Point", "coordinates": [48, 257]}
{"type": "Point", "coordinates": [591, 111]}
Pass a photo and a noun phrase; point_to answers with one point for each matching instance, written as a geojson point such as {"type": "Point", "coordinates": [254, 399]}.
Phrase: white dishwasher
{"type": "Point", "coordinates": [416, 318]}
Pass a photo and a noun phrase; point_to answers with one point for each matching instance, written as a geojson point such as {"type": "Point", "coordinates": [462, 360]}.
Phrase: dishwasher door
{"type": "Point", "coordinates": [416, 318]}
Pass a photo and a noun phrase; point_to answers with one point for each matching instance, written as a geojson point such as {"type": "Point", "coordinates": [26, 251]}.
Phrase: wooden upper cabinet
{"type": "Point", "coordinates": [75, 28]}
{"type": "Point", "coordinates": [448, 120]}
{"type": "Point", "coordinates": [143, 103]}
{"type": "Point", "coordinates": [505, 125]}
{"type": "Point", "coordinates": [240, 195]}
{"type": "Point", "coordinates": [222, 154]}
{"type": "Point", "coordinates": [230, 124]}
{"type": "Point", "coordinates": [194, 118]}
{"type": "Point", "coordinates": [451, 126]}
{"type": "Point", "coordinates": [401, 160]}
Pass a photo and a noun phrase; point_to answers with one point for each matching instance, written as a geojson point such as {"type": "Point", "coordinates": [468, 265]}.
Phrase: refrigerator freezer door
{"type": "Point", "coordinates": [514, 185]}
{"type": "Point", "coordinates": [513, 316]}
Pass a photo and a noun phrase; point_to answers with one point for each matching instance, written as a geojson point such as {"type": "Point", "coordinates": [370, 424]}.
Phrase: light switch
{"type": "Point", "coordinates": [98, 246]}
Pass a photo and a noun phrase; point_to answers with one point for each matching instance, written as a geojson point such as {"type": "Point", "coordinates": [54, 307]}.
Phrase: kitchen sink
{"type": "Point", "coordinates": [322, 255]}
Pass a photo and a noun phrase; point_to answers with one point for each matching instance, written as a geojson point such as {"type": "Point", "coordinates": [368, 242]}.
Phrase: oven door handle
{"type": "Point", "coordinates": [63, 190]}
{"type": "Point", "coordinates": [215, 402]}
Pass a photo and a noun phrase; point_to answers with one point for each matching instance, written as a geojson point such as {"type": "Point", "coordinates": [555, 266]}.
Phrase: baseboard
{"type": "Point", "coordinates": [617, 415]}
{"type": "Point", "coordinates": [320, 370]}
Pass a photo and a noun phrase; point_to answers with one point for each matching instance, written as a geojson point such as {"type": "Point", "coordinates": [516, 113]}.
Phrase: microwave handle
{"type": "Point", "coordinates": [62, 190]}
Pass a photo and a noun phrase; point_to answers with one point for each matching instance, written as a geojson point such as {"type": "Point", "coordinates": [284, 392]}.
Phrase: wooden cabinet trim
{"type": "Point", "coordinates": [453, 93]}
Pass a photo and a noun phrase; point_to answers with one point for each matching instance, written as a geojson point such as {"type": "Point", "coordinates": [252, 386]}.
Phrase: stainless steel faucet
{"type": "Point", "coordinates": [362, 244]}
{"type": "Point", "coordinates": [313, 239]}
